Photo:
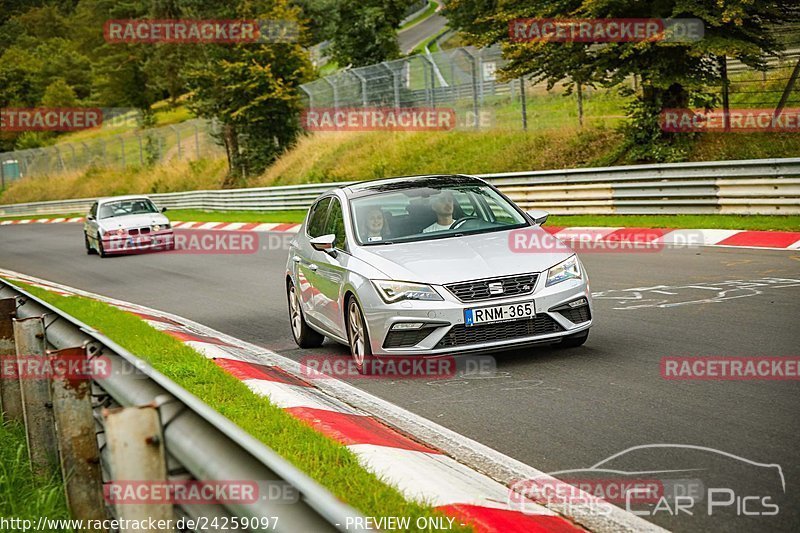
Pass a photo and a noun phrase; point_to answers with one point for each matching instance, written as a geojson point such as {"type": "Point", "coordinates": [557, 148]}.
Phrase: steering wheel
{"type": "Point", "coordinates": [460, 222]}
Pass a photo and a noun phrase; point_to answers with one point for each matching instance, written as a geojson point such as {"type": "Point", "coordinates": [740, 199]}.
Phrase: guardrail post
{"type": "Point", "coordinates": [37, 408]}
{"type": "Point", "coordinates": [135, 441]}
{"type": "Point", "coordinates": [10, 394]}
{"type": "Point", "coordinates": [75, 429]}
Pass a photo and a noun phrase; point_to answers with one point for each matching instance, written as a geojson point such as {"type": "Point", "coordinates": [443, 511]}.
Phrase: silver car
{"type": "Point", "coordinates": [430, 265]}
{"type": "Point", "coordinates": [126, 224]}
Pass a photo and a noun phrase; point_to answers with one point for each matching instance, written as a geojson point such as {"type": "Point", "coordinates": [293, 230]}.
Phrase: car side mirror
{"type": "Point", "coordinates": [324, 243]}
{"type": "Point", "coordinates": [539, 216]}
{"type": "Point", "coordinates": [163, 209]}
{"type": "Point", "coordinates": [89, 217]}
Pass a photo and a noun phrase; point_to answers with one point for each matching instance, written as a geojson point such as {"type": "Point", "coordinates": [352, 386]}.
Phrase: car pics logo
{"type": "Point", "coordinates": [644, 493]}
{"type": "Point", "coordinates": [609, 30]}
{"type": "Point", "coordinates": [378, 118]}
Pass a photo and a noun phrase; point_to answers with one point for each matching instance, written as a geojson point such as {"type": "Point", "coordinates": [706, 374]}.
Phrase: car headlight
{"type": "Point", "coordinates": [395, 291]}
{"type": "Point", "coordinates": [568, 269]}
{"type": "Point", "coordinates": [116, 232]}
{"type": "Point", "coordinates": [159, 227]}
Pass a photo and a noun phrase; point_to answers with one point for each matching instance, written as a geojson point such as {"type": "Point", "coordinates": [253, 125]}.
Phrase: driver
{"type": "Point", "coordinates": [442, 205]}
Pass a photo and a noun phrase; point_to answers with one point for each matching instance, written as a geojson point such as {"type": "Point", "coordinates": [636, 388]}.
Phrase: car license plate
{"type": "Point", "coordinates": [499, 313]}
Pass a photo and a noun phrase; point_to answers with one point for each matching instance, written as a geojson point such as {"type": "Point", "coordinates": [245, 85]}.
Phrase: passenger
{"type": "Point", "coordinates": [375, 225]}
{"type": "Point", "coordinates": [442, 204]}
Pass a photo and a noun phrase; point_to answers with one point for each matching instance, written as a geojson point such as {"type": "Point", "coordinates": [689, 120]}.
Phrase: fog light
{"type": "Point", "coordinates": [407, 325]}
{"type": "Point", "coordinates": [578, 303]}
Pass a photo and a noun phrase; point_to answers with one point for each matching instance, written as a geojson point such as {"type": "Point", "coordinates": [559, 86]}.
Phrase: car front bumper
{"type": "Point", "coordinates": [128, 244]}
{"type": "Point", "coordinates": [444, 331]}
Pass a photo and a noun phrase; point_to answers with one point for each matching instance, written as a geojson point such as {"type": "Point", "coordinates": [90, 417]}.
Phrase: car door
{"type": "Point", "coordinates": [305, 258]}
{"type": "Point", "coordinates": [331, 271]}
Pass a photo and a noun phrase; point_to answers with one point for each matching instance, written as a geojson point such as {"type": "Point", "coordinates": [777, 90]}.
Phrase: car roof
{"type": "Point", "coordinates": [115, 198]}
{"type": "Point", "coordinates": [365, 188]}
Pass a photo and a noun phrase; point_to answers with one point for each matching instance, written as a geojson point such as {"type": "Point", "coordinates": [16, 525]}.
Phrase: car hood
{"type": "Point", "coordinates": [133, 221]}
{"type": "Point", "coordinates": [486, 255]}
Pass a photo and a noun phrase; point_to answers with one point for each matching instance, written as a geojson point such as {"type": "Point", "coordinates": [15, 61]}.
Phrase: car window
{"type": "Point", "coordinates": [422, 213]}
{"type": "Point", "coordinates": [93, 210]}
{"type": "Point", "coordinates": [316, 219]}
{"type": "Point", "coordinates": [335, 224]}
{"type": "Point", "coordinates": [138, 206]}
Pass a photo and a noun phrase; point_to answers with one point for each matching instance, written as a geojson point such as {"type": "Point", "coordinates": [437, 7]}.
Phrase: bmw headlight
{"type": "Point", "coordinates": [569, 269]}
{"type": "Point", "coordinates": [395, 291]}
{"type": "Point", "coordinates": [159, 227]}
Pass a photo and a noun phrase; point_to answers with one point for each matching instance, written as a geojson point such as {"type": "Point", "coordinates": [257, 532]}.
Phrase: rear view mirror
{"type": "Point", "coordinates": [89, 217]}
{"type": "Point", "coordinates": [163, 209]}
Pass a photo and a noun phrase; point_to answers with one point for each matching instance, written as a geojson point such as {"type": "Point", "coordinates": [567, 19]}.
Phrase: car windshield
{"type": "Point", "coordinates": [431, 212]}
{"type": "Point", "coordinates": [121, 208]}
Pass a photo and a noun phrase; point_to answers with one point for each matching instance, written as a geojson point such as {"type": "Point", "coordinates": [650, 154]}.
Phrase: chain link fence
{"type": "Point", "coordinates": [193, 139]}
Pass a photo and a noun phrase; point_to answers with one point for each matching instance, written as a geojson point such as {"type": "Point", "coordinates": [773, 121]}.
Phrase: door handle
{"type": "Point", "coordinates": [313, 267]}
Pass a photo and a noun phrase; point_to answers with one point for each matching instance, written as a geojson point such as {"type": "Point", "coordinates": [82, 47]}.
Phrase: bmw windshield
{"type": "Point", "coordinates": [137, 206]}
{"type": "Point", "coordinates": [431, 212]}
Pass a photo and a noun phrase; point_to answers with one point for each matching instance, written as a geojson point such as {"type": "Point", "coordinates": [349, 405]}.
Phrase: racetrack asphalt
{"type": "Point", "coordinates": [551, 408]}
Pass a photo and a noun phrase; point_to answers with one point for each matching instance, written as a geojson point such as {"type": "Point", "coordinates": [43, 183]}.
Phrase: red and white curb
{"type": "Point", "coordinates": [773, 240]}
{"type": "Point", "coordinates": [426, 462]}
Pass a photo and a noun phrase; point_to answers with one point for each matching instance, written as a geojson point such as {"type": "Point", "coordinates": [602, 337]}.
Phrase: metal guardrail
{"type": "Point", "coordinates": [199, 443]}
{"type": "Point", "coordinates": [754, 186]}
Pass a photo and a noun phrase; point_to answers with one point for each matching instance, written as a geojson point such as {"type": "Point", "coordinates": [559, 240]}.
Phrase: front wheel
{"type": "Point", "coordinates": [304, 336]}
{"type": "Point", "coordinates": [89, 249]}
{"type": "Point", "coordinates": [573, 341]}
{"type": "Point", "coordinates": [357, 335]}
{"type": "Point", "coordinates": [101, 251]}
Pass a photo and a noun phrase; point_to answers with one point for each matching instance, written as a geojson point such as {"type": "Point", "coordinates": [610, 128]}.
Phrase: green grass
{"type": "Point", "coordinates": [327, 461]}
{"type": "Point", "coordinates": [422, 16]}
{"type": "Point", "coordinates": [35, 217]}
{"type": "Point", "coordinates": [22, 494]}
{"type": "Point", "coordinates": [748, 222]}
{"type": "Point", "coordinates": [195, 215]}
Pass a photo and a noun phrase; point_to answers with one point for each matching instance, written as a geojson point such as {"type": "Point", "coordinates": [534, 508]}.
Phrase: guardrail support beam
{"type": "Point", "coordinates": [77, 441]}
{"type": "Point", "coordinates": [37, 407]}
{"type": "Point", "coordinates": [135, 441]}
{"type": "Point", "coordinates": [10, 394]}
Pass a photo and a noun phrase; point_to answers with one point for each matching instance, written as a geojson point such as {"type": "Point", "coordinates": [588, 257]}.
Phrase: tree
{"type": "Point", "coordinates": [252, 90]}
{"type": "Point", "coordinates": [673, 74]}
{"type": "Point", "coordinates": [59, 94]}
{"type": "Point", "coordinates": [365, 33]}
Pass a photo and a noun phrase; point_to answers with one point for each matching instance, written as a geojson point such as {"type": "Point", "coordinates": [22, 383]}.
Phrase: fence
{"type": "Point", "coordinates": [757, 186]}
{"type": "Point", "coordinates": [133, 423]}
{"type": "Point", "coordinates": [192, 139]}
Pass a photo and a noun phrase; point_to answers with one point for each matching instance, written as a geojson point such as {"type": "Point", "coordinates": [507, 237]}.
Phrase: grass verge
{"type": "Point", "coordinates": [325, 460]}
{"type": "Point", "coordinates": [23, 495]}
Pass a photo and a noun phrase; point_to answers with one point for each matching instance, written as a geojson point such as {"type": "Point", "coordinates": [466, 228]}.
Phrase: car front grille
{"type": "Point", "coordinates": [474, 291]}
{"type": "Point", "coordinates": [137, 231]}
{"type": "Point", "coordinates": [577, 315]}
{"type": "Point", "coordinates": [461, 335]}
{"type": "Point", "coordinates": [406, 338]}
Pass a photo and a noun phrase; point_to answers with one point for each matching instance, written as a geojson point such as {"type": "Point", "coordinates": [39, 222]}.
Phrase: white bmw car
{"type": "Point", "coordinates": [431, 265]}
{"type": "Point", "coordinates": [126, 224]}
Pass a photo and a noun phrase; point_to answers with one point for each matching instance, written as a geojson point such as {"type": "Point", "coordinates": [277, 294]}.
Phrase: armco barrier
{"type": "Point", "coordinates": [754, 187]}
{"type": "Point", "coordinates": [164, 434]}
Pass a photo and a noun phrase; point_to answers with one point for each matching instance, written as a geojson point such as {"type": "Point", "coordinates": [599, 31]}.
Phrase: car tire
{"type": "Point", "coordinates": [100, 250]}
{"type": "Point", "coordinates": [573, 341]}
{"type": "Point", "coordinates": [358, 337]}
{"type": "Point", "coordinates": [89, 249]}
{"type": "Point", "coordinates": [304, 336]}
